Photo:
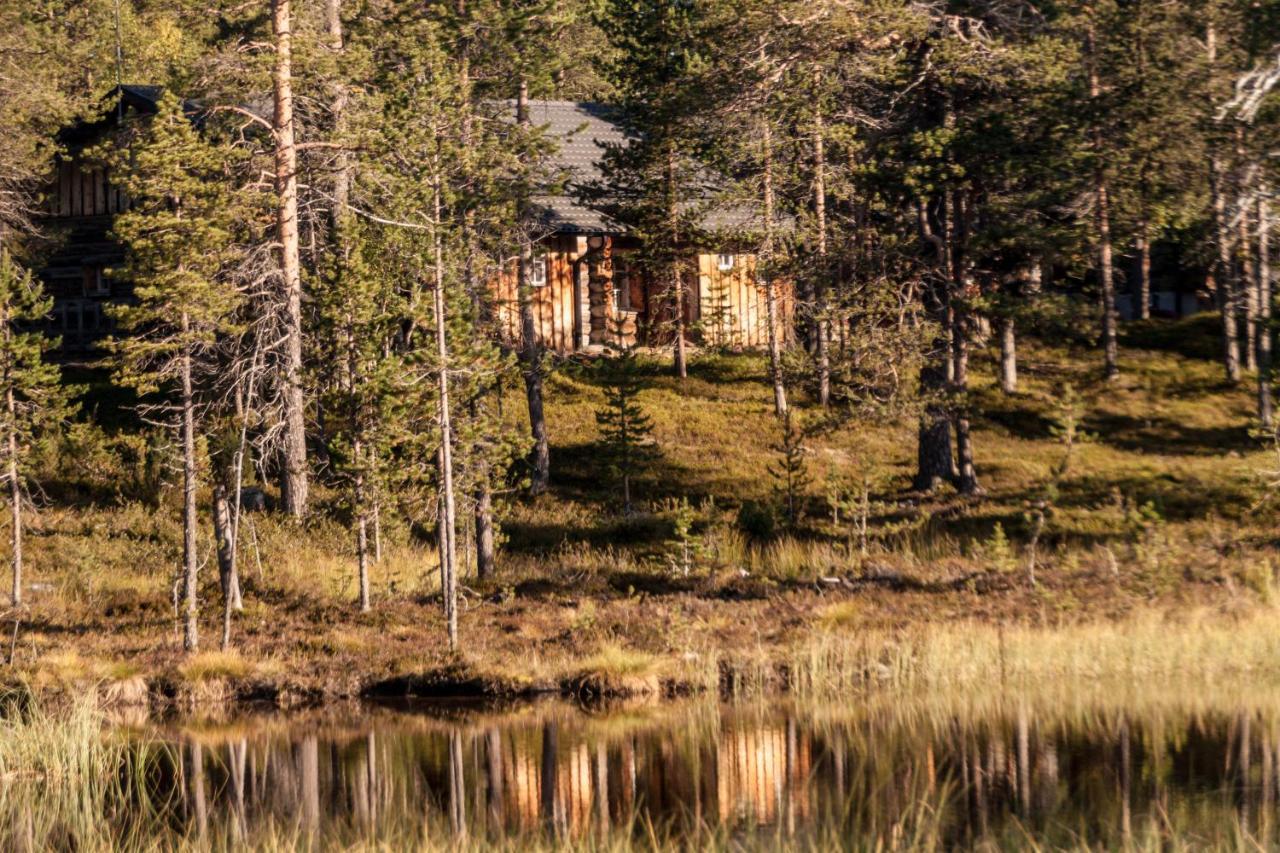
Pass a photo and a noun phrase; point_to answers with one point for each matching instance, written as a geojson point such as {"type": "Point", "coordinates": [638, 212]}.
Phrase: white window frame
{"type": "Point", "coordinates": [621, 283]}
{"type": "Point", "coordinates": [725, 263]}
{"type": "Point", "coordinates": [538, 276]}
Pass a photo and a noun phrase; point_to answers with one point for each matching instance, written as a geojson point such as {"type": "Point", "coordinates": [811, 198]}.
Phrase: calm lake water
{"type": "Point", "coordinates": [903, 774]}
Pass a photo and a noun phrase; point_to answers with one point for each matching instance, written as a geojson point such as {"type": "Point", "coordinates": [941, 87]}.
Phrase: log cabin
{"type": "Point", "coordinates": [80, 204]}
{"type": "Point", "coordinates": [585, 283]}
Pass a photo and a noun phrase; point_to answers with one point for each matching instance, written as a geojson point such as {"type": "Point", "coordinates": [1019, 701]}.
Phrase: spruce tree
{"type": "Point", "coordinates": [791, 472]}
{"type": "Point", "coordinates": [625, 429]}
{"type": "Point", "coordinates": [654, 183]}
{"type": "Point", "coordinates": [35, 400]}
{"type": "Point", "coordinates": [360, 314]}
{"type": "Point", "coordinates": [178, 245]}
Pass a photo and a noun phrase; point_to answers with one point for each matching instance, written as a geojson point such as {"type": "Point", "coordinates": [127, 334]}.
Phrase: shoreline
{"type": "Point", "coordinates": [1195, 645]}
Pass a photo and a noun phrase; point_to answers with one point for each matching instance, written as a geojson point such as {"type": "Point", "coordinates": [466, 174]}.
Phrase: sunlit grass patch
{"type": "Point", "coordinates": [616, 671]}
{"type": "Point", "coordinates": [214, 665]}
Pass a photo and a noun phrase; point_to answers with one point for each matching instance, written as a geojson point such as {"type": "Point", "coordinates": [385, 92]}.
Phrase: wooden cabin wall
{"type": "Point", "coordinates": [80, 206]}
{"type": "Point", "coordinates": [727, 306]}
{"type": "Point", "coordinates": [732, 305]}
{"type": "Point", "coordinates": [553, 308]}
{"type": "Point", "coordinates": [79, 190]}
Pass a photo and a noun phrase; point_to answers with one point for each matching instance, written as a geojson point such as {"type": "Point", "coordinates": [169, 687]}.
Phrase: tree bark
{"type": "Point", "coordinates": [486, 560]}
{"type": "Point", "coordinates": [766, 261]}
{"type": "Point", "coordinates": [362, 533]}
{"type": "Point", "coordinates": [677, 277]}
{"type": "Point", "coordinates": [338, 109]}
{"type": "Point", "coordinates": [934, 462]}
{"type": "Point", "coordinates": [1144, 270]}
{"type": "Point", "coordinates": [821, 354]}
{"type": "Point", "coordinates": [448, 511]}
{"type": "Point", "coordinates": [1008, 355]}
{"type": "Point", "coordinates": [15, 484]}
{"type": "Point", "coordinates": [531, 347]}
{"type": "Point", "coordinates": [1248, 273]}
{"type": "Point", "coordinates": [190, 634]}
{"type": "Point", "coordinates": [1263, 286]}
{"type": "Point", "coordinates": [1224, 290]}
{"type": "Point", "coordinates": [966, 474]}
{"type": "Point", "coordinates": [224, 540]}
{"type": "Point", "coordinates": [293, 484]}
{"type": "Point", "coordinates": [1102, 216]}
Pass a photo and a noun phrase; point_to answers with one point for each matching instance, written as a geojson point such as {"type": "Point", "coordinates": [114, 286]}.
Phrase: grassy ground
{"type": "Point", "coordinates": [1157, 528]}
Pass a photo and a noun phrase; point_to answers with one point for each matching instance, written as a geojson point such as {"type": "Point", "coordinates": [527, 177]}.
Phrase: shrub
{"type": "Point", "coordinates": [758, 520]}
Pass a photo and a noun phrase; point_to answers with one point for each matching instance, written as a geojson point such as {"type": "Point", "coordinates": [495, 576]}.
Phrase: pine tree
{"type": "Point", "coordinates": [653, 183]}
{"type": "Point", "coordinates": [419, 179]}
{"type": "Point", "coordinates": [360, 314]}
{"type": "Point", "coordinates": [178, 241]}
{"type": "Point", "coordinates": [625, 429]}
{"type": "Point", "coordinates": [35, 399]}
{"type": "Point", "coordinates": [791, 472]}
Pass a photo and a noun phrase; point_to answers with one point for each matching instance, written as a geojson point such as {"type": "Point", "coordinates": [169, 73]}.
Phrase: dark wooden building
{"type": "Point", "coordinates": [80, 203]}
{"type": "Point", "coordinates": [584, 278]}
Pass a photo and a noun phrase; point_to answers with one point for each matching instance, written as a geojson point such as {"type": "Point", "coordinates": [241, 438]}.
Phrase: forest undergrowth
{"type": "Point", "coordinates": [1139, 544]}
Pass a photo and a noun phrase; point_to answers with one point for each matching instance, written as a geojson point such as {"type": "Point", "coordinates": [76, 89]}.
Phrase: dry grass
{"type": "Point", "coordinates": [616, 671]}
{"type": "Point", "coordinates": [1153, 517]}
{"type": "Point", "coordinates": [213, 666]}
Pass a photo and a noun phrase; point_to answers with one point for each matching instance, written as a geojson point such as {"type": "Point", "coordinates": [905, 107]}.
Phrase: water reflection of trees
{"type": "Point", "coordinates": [861, 776]}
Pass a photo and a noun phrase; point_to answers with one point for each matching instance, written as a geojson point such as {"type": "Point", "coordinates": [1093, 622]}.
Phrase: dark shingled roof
{"type": "Point", "coordinates": [581, 130]}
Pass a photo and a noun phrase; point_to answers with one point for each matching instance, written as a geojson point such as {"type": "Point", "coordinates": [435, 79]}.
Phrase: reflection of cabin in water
{"type": "Point", "coordinates": [585, 279]}
{"type": "Point", "coordinates": [752, 775]}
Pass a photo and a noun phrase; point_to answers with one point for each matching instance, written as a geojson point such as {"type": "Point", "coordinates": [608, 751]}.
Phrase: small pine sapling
{"type": "Point", "coordinates": [687, 544]}
{"type": "Point", "coordinates": [791, 472]}
{"type": "Point", "coordinates": [1068, 416]}
{"type": "Point", "coordinates": [626, 431]}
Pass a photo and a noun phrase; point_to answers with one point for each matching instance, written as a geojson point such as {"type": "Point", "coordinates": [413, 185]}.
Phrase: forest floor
{"type": "Point", "coordinates": [1157, 554]}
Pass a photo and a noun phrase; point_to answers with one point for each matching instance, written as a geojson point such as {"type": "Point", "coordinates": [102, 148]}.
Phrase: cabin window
{"type": "Point", "coordinates": [95, 283]}
{"type": "Point", "coordinates": [725, 262]}
{"type": "Point", "coordinates": [538, 271]}
{"type": "Point", "coordinates": [621, 287]}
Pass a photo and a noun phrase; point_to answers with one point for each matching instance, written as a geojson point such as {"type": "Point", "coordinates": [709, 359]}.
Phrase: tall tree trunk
{"type": "Point", "coordinates": [1102, 217]}
{"type": "Point", "coordinates": [1144, 269]}
{"type": "Point", "coordinates": [362, 529]}
{"type": "Point", "coordinates": [1263, 286]}
{"type": "Point", "coordinates": [934, 462]}
{"type": "Point", "coordinates": [821, 354]}
{"type": "Point", "coordinates": [1224, 290]}
{"type": "Point", "coordinates": [190, 634]}
{"type": "Point", "coordinates": [293, 484]}
{"type": "Point", "coordinates": [224, 541]}
{"type": "Point", "coordinates": [15, 484]}
{"type": "Point", "coordinates": [531, 347]}
{"type": "Point", "coordinates": [338, 111]}
{"type": "Point", "coordinates": [486, 559]}
{"type": "Point", "coordinates": [1244, 244]}
{"type": "Point", "coordinates": [448, 511]}
{"type": "Point", "coordinates": [1008, 355]}
{"type": "Point", "coordinates": [677, 276]}
{"type": "Point", "coordinates": [770, 289]}
{"type": "Point", "coordinates": [966, 474]}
